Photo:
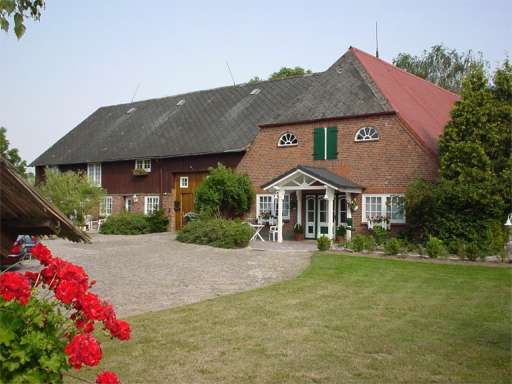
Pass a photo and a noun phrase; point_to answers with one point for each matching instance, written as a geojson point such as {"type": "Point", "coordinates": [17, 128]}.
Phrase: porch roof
{"type": "Point", "coordinates": [322, 175]}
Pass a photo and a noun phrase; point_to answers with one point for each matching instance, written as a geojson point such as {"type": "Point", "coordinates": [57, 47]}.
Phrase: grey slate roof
{"type": "Point", "coordinates": [321, 174]}
{"type": "Point", "coordinates": [219, 120]}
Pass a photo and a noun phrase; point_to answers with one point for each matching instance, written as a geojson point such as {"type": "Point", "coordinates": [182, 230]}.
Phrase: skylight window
{"type": "Point", "coordinates": [131, 110]}
{"type": "Point", "coordinates": [181, 102]}
{"type": "Point", "coordinates": [255, 91]}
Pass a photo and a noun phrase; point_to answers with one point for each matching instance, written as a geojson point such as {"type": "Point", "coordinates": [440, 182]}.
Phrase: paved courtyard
{"type": "Point", "coordinates": [152, 272]}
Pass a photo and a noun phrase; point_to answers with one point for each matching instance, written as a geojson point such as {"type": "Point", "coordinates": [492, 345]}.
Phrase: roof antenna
{"type": "Point", "coordinates": [376, 41]}
{"type": "Point", "coordinates": [134, 93]}
{"type": "Point", "coordinates": [230, 73]}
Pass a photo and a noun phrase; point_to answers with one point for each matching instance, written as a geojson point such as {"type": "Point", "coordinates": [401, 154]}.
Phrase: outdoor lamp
{"type": "Point", "coordinates": [508, 223]}
{"type": "Point", "coordinates": [326, 197]}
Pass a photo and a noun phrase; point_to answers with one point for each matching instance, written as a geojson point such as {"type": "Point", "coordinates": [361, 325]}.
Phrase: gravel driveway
{"type": "Point", "coordinates": [152, 272]}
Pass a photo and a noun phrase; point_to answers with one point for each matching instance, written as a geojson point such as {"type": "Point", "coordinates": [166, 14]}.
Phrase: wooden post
{"type": "Point", "coordinates": [330, 212]}
{"type": "Point", "coordinates": [299, 207]}
{"type": "Point", "coordinates": [280, 200]}
{"type": "Point", "coordinates": [348, 198]}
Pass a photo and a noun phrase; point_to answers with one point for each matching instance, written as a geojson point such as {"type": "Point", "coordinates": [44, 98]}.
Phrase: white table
{"type": "Point", "coordinates": [257, 229]}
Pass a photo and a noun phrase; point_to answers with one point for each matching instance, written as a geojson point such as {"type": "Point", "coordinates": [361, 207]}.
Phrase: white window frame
{"type": "Point", "coordinates": [183, 181]}
{"type": "Point", "coordinates": [287, 140]}
{"type": "Point", "coordinates": [144, 164]}
{"type": "Point", "coordinates": [384, 211]}
{"type": "Point", "coordinates": [154, 200]}
{"type": "Point", "coordinates": [94, 173]}
{"type": "Point", "coordinates": [370, 139]}
{"type": "Point", "coordinates": [273, 204]}
{"type": "Point", "coordinates": [106, 206]}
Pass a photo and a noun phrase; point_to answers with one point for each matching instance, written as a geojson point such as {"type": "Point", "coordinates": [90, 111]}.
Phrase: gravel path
{"type": "Point", "coordinates": [151, 272]}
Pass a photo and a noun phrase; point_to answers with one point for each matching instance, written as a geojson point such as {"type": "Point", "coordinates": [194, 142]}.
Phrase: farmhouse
{"type": "Point", "coordinates": [333, 148]}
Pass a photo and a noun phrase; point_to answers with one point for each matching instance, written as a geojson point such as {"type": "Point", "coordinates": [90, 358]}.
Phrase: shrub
{"type": "Point", "coordinates": [224, 193]}
{"type": "Point", "coordinates": [472, 251]}
{"type": "Point", "coordinates": [380, 235]}
{"type": "Point", "coordinates": [435, 247]}
{"type": "Point", "coordinates": [221, 233]}
{"type": "Point", "coordinates": [341, 230]}
{"type": "Point", "coordinates": [392, 247]}
{"type": "Point", "coordinates": [125, 223]}
{"type": "Point", "coordinates": [157, 222]}
{"type": "Point", "coordinates": [323, 243]}
{"type": "Point", "coordinates": [362, 242]}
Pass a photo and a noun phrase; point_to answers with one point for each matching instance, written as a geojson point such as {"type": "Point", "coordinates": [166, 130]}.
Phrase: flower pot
{"type": "Point", "coordinates": [299, 236]}
{"type": "Point", "coordinates": [340, 239]}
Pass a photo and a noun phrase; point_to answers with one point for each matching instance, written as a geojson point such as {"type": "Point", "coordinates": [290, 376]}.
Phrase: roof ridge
{"type": "Point", "coordinates": [401, 70]}
{"type": "Point", "coordinates": [241, 85]}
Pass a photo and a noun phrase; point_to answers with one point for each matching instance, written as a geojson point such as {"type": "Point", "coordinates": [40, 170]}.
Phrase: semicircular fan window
{"type": "Point", "coordinates": [367, 134]}
{"type": "Point", "coordinates": [287, 139]}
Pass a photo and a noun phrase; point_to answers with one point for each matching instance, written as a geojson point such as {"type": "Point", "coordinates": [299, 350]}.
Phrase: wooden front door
{"type": "Point", "coordinates": [186, 185]}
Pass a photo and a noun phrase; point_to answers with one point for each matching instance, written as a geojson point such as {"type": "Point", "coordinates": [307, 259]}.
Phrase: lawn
{"type": "Point", "coordinates": [346, 319]}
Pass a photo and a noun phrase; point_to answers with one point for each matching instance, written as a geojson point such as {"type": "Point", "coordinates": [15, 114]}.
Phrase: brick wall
{"type": "Point", "coordinates": [384, 166]}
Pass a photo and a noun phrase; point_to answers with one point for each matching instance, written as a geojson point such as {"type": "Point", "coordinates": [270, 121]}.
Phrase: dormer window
{"type": "Point", "coordinates": [287, 140]}
{"type": "Point", "coordinates": [367, 134]}
{"type": "Point", "coordinates": [143, 164]}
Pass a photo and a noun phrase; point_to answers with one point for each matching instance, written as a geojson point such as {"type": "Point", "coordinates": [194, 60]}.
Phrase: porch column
{"type": "Point", "coordinates": [348, 198]}
{"type": "Point", "coordinates": [280, 197]}
{"type": "Point", "coordinates": [299, 207]}
{"type": "Point", "coordinates": [330, 212]}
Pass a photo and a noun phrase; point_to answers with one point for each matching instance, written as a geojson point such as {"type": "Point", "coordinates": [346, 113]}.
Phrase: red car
{"type": "Point", "coordinates": [19, 251]}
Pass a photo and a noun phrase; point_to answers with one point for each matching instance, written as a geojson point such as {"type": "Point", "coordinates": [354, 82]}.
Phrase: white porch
{"type": "Point", "coordinates": [320, 190]}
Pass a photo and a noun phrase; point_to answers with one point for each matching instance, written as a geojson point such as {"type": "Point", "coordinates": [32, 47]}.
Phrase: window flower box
{"type": "Point", "coordinates": [140, 172]}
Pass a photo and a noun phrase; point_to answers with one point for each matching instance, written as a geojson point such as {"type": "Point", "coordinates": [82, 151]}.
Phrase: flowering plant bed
{"type": "Point", "coordinates": [140, 172]}
{"type": "Point", "coordinates": [47, 320]}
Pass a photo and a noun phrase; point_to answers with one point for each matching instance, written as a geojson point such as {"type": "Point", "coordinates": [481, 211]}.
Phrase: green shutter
{"type": "Point", "coordinates": [332, 143]}
{"type": "Point", "coordinates": [319, 144]}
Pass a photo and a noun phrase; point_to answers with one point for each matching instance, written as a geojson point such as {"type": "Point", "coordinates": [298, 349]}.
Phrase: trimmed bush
{"type": "Point", "coordinates": [220, 233]}
{"type": "Point", "coordinates": [157, 222]}
{"type": "Point", "coordinates": [435, 247]}
{"type": "Point", "coordinates": [361, 242]}
{"type": "Point", "coordinates": [323, 243]}
{"type": "Point", "coordinates": [125, 223]}
{"type": "Point", "coordinates": [392, 247]}
{"type": "Point", "coordinates": [380, 235]}
{"type": "Point", "coordinates": [225, 193]}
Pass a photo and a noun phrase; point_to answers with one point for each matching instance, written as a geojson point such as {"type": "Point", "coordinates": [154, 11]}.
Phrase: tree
{"type": "Point", "coordinates": [254, 80]}
{"type": "Point", "coordinates": [224, 193]}
{"type": "Point", "coordinates": [285, 72]}
{"type": "Point", "coordinates": [474, 194]}
{"type": "Point", "coordinates": [19, 10]}
{"type": "Point", "coordinates": [72, 193]}
{"type": "Point", "coordinates": [441, 65]}
{"type": "Point", "coordinates": [11, 154]}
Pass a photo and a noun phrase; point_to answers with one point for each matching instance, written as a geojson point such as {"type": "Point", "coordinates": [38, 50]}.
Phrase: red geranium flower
{"type": "Point", "coordinates": [118, 328]}
{"type": "Point", "coordinates": [41, 253]}
{"type": "Point", "coordinates": [83, 350]}
{"type": "Point", "coordinates": [67, 291]}
{"type": "Point", "coordinates": [32, 276]}
{"type": "Point", "coordinates": [107, 377]}
{"type": "Point", "coordinates": [75, 273]}
{"type": "Point", "coordinates": [93, 308]}
{"type": "Point", "coordinates": [14, 285]}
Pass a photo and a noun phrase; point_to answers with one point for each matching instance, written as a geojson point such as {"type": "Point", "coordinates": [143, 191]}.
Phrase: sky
{"type": "Point", "coordinates": [83, 55]}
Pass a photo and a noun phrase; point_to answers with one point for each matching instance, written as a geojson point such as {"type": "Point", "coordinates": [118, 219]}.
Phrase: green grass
{"type": "Point", "coordinates": [344, 320]}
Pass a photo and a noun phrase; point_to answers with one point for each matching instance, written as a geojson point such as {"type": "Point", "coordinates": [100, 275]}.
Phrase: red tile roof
{"type": "Point", "coordinates": [423, 106]}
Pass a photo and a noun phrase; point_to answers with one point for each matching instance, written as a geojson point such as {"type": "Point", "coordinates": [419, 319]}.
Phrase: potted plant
{"type": "Point", "coordinates": [298, 230]}
{"type": "Point", "coordinates": [340, 233]}
{"type": "Point", "coordinates": [139, 172]}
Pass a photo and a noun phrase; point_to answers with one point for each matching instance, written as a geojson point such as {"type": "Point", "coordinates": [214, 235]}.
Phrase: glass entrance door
{"type": "Point", "coordinates": [322, 216]}
{"type": "Point", "coordinates": [310, 232]}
